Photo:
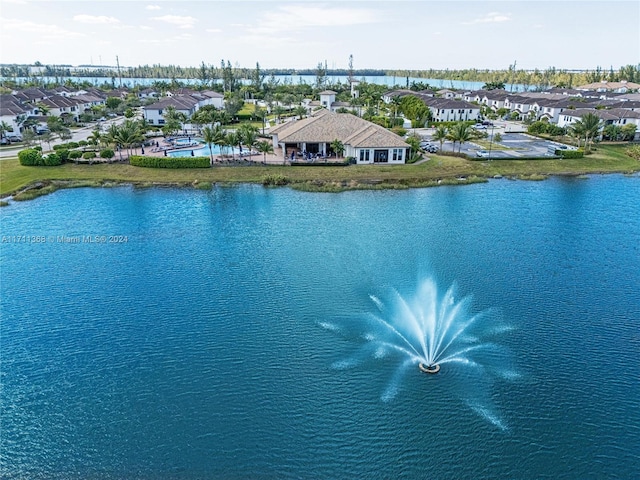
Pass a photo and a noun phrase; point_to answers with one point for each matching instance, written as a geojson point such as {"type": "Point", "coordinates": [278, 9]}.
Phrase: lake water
{"type": "Point", "coordinates": [390, 81]}
{"type": "Point", "coordinates": [210, 337]}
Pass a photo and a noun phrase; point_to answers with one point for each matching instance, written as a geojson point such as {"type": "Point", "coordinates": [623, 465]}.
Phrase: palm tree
{"type": "Point", "coordinates": [264, 148]}
{"type": "Point", "coordinates": [232, 139]}
{"type": "Point", "coordinates": [209, 137]}
{"type": "Point", "coordinates": [261, 113]}
{"type": "Point", "coordinates": [590, 128]}
{"type": "Point", "coordinates": [459, 133]}
{"type": "Point", "coordinates": [247, 135]}
{"type": "Point", "coordinates": [338, 147]}
{"type": "Point", "coordinates": [440, 135]}
{"type": "Point", "coordinates": [4, 128]}
{"type": "Point", "coordinates": [219, 136]}
{"type": "Point", "coordinates": [95, 137]}
{"type": "Point", "coordinates": [300, 111]}
{"type": "Point", "coordinates": [43, 109]}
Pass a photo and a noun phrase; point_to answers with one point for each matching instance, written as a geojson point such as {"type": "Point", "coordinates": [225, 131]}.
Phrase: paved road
{"type": "Point", "coordinates": [76, 135]}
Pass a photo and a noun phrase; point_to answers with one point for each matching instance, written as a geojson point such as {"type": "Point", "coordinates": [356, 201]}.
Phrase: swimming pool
{"type": "Point", "coordinates": [204, 151]}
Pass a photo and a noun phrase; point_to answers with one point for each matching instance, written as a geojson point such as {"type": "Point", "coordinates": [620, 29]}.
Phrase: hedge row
{"type": "Point", "coordinates": [33, 157]}
{"type": "Point", "coordinates": [569, 154]}
{"type": "Point", "coordinates": [170, 162]}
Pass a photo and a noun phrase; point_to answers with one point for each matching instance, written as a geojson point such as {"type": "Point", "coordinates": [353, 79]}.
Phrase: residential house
{"type": "Point", "coordinates": [14, 112]}
{"type": "Point", "coordinates": [154, 114]}
{"type": "Point", "coordinates": [605, 86]}
{"type": "Point", "coordinates": [367, 142]}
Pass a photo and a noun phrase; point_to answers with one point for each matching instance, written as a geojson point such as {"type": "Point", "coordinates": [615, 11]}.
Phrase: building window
{"type": "Point", "coordinates": [161, 121]}
{"type": "Point", "coordinates": [364, 155]}
{"type": "Point", "coordinates": [160, 112]}
{"type": "Point", "coordinates": [397, 154]}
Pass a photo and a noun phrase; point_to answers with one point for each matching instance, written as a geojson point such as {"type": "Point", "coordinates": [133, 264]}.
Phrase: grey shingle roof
{"type": "Point", "coordinates": [325, 127]}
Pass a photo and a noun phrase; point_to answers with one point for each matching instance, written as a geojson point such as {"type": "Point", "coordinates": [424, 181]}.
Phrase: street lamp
{"type": "Point", "coordinates": [491, 141]}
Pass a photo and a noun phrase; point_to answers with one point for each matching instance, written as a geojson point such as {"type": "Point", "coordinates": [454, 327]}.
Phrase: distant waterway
{"type": "Point", "coordinates": [390, 81]}
{"type": "Point", "coordinates": [236, 332]}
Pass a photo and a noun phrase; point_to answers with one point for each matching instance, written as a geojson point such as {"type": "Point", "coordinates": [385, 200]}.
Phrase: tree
{"type": "Point", "coordinates": [232, 139]}
{"type": "Point", "coordinates": [247, 135]}
{"type": "Point", "coordinates": [300, 111]}
{"type": "Point", "coordinates": [441, 134]}
{"type": "Point", "coordinates": [493, 86]}
{"type": "Point", "coordinates": [612, 132]}
{"type": "Point", "coordinates": [4, 128]}
{"type": "Point", "coordinates": [628, 131]}
{"type": "Point", "coordinates": [338, 147]}
{"type": "Point", "coordinates": [588, 128]}
{"type": "Point", "coordinates": [43, 109]}
{"type": "Point", "coordinates": [264, 148]}
{"type": "Point", "coordinates": [414, 142]}
{"type": "Point", "coordinates": [261, 113]}
{"type": "Point", "coordinates": [415, 110]}
{"type": "Point", "coordinates": [113, 103]}
{"type": "Point", "coordinates": [460, 133]}
{"type": "Point", "coordinates": [209, 135]}
{"type": "Point", "coordinates": [233, 104]}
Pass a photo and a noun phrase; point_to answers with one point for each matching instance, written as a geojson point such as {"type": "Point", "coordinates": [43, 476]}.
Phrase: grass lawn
{"type": "Point", "coordinates": [438, 169]}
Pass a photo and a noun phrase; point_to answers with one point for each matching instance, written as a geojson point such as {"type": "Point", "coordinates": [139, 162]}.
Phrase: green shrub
{"type": "Point", "coordinates": [275, 180]}
{"type": "Point", "coordinates": [89, 155]}
{"type": "Point", "coordinates": [569, 154]}
{"type": "Point", "coordinates": [63, 154]}
{"type": "Point", "coordinates": [66, 146]}
{"type": "Point", "coordinates": [633, 151]}
{"type": "Point", "coordinates": [170, 162]}
{"type": "Point", "coordinates": [83, 143]}
{"type": "Point", "coordinates": [74, 154]}
{"type": "Point", "coordinates": [30, 157]}
{"type": "Point", "coordinates": [51, 160]}
{"type": "Point", "coordinates": [107, 153]}
{"type": "Point", "coordinates": [399, 131]}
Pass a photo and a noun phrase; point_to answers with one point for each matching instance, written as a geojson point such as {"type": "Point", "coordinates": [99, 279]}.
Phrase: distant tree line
{"type": "Point", "coordinates": [231, 75]}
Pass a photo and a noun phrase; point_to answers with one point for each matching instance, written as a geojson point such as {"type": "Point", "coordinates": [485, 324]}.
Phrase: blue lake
{"type": "Point", "coordinates": [167, 333]}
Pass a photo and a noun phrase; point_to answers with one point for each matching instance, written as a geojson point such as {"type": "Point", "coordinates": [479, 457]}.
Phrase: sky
{"type": "Point", "coordinates": [393, 34]}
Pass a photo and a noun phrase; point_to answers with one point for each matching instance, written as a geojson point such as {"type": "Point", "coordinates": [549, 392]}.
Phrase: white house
{"type": "Point", "coordinates": [154, 114]}
{"type": "Point", "coordinates": [450, 110]}
{"type": "Point", "coordinates": [13, 112]}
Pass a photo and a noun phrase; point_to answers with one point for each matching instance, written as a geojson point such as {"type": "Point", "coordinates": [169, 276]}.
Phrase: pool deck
{"type": "Point", "coordinates": [275, 158]}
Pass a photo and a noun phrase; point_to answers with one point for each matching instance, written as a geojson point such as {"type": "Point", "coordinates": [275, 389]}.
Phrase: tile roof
{"type": "Point", "coordinates": [325, 127]}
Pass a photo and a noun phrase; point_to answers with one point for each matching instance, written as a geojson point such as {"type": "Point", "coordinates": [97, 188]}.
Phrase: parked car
{"type": "Point", "coordinates": [482, 153]}
{"type": "Point", "coordinates": [41, 129]}
{"type": "Point", "coordinates": [14, 137]}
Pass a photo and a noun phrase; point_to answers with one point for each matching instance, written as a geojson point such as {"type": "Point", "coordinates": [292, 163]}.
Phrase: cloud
{"type": "Point", "coordinates": [213, 30]}
{"type": "Point", "coordinates": [95, 19]}
{"type": "Point", "coordinates": [45, 31]}
{"type": "Point", "coordinates": [153, 7]}
{"type": "Point", "coordinates": [179, 21]}
{"type": "Point", "coordinates": [493, 17]}
{"type": "Point", "coordinates": [304, 17]}
{"type": "Point", "coordinates": [168, 40]}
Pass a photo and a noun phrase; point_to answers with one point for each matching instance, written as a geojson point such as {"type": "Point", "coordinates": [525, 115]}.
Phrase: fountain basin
{"type": "Point", "coordinates": [435, 368]}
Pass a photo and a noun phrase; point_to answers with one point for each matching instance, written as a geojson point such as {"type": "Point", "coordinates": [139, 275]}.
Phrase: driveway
{"type": "Point", "coordinates": [76, 135]}
{"type": "Point", "coordinates": [512, 146]}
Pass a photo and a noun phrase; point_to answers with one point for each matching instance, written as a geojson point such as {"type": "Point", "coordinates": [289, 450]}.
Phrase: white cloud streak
{"type": "Point", "coordinates": [493, 17]}
{"type": "Point", "coordinates": [177, 20]}
{"type": "Point", "coordinates": [96, 19]}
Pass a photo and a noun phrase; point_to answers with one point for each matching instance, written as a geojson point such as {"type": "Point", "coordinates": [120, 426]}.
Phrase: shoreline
{"type": "Point", "coordinates": [19, 182]}
{"type": "Point", "coordinates": [42, 188]}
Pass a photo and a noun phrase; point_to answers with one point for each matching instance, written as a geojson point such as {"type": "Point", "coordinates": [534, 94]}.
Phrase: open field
{"type": "Point", "coordinates": [438, 169]}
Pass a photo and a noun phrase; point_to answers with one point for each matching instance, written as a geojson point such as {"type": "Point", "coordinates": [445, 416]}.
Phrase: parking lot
{"type": "Point", "coordinates": [511, 146]}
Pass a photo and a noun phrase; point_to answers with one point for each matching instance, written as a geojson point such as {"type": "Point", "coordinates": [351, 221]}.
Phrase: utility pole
{"type": "Point", "coordinates": [119, 74]}
{"type": "Point", "coordinates": [512, 73]}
